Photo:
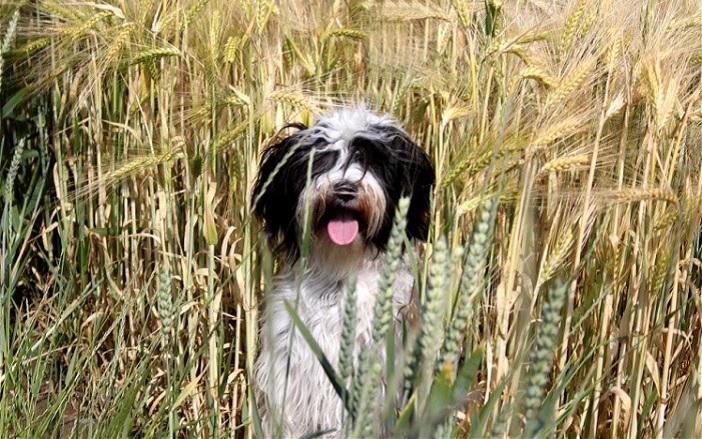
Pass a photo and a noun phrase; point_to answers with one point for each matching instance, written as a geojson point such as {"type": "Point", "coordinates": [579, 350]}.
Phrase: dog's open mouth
{"type": "Point", "coordinates": [343, 227]}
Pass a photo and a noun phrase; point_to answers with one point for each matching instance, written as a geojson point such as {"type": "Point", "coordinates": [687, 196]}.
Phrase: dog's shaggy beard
{"type": "Point", "coordinates": [361, 164]}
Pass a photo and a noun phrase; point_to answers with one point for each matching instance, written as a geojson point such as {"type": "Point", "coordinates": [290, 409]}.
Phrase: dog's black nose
{"type": "Point", "coordinates": [345, 191]}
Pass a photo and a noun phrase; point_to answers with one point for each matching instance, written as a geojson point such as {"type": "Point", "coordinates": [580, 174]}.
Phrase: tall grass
{"type": "Point", "coordinates": [130, 276]}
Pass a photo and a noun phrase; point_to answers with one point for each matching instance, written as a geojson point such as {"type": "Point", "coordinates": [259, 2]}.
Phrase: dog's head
{"type": "Point", "coordinates": [359, 165]}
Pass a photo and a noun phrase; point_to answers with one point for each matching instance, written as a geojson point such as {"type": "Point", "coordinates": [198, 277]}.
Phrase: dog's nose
{"type": "Point", "coordinates": [345, 191]}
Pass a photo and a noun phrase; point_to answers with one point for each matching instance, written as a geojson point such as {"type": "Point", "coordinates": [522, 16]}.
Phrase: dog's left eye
{"type": "Point", "coordinates": [324, 161]}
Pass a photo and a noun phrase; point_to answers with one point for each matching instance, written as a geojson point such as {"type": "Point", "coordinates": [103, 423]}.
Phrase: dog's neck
{"type": "Point", "coordinates": [325, 274]}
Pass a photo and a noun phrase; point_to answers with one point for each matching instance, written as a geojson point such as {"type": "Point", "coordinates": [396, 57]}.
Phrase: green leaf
{"type": "Point", "coordinates": [467, 375]}
{"type": "Point", "coordinates": [406, 414]}
{"type": "Point", "coordinates": [11, 103]}
{"type": "Point", "coordinates": [326, 365]}
{"type": "Point", "coordinates": [478, 426]}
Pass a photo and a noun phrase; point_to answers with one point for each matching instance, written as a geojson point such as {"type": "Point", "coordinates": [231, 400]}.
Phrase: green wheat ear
{"type": "Point", "coordinates": [12, 172]}
{"type": "Point", "coordinates": [8, 39]}
{"type": "Point", "coordinates": [471, 281]}
{"type": "Point", "coordinates": [432, 313]}
{"type": "Point", "coordinates": [541, 357]}
{"type": "Point", "coordinates": [383, 312]}
{"type": "Point", "coordinates": [348, 334]}
{"type": "Point", "coordinates": [369, 368]}
{"type": "Point", "coordinates": [164, 302]}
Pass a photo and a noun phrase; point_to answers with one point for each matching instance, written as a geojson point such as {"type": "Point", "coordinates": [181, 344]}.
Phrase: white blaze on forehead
{"type": "Point", "coordinates": [339, 129]}
{"type": "Point", "coordinates": [346, 124]}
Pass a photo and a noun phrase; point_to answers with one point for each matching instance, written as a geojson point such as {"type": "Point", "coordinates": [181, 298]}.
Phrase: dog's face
{"type": "Point", "coordinates": [359, 166]}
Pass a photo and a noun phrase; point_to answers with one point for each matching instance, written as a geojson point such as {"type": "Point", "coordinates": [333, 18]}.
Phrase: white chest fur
{"type": "Point", "coordinates": [294, 393]}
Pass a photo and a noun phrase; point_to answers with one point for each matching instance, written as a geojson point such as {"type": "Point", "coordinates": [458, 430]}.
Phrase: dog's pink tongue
{"type": "Point", "coordinates": [342, 229]}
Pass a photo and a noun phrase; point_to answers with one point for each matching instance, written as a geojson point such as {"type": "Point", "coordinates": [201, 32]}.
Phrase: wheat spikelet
{"type": "Point", "coordinates": [471, 281]}
{"type": "Point", "coordinates": [531, 36]}
{"type": "Point", "coordinates": [570, 26]}
{"type": "Point", "coordinates": [471, 165]}
{"type": "Point", "coordinates": [383, 312]}
{"type": "Point", "coordinates": [153, 54]}
{"type": "Point", "coordinates": [353, 34]}
{"type": "Point", "coordinates": [562, 129]}
{"type": "Point", "coordinates": [539, 75]}
{"type": "Point", "coordinates": [143, 163]}
{"type": "Point", "coordinates": [493, 25]}
{"type": "Point", "coordinates": [668, 218]}
{"type": "Point", "coordinates": [297, 100]}
{"type": "Point", "coordinates": [164, 302]}
{"type": "Point", "coordinates": [660, 273]}
{"type": "Point", "coordinates": [12, 172]}
{"type": "Point", "coordinates": [443, 37]}
{"type": "Point", "coordinates": [454, 112]}
{"type": "Point", "coordinates": [569, 83]}
{"type": "Point", "coordinates": [366, 413]}
{"type": "Point", "coordinates": [88, 25]}
{"type": "Point", "coordinates": [588, 20]}
{"type": "Point", "coordinates": [636, 195]}
{"type": "Point", "coordinates": [509, 194]}
{"type": "Point", "coordinates": [266, 9]}
{"type": "Point", "coordinates": [215, 28]}
{"type": "Point", "coordinates": [557, 257]}
{"type": "Point", "coordinates": [432, 311]}
{"type": "Point", "coordinates": [399, 99]}
{"type": "Point", "coordinates": [231, 49]}
{"type": "Point", "coordinates": [30, 47]}
{"type": "Point", "coordinates": [614, 52]}
{"type": "Point", "coordinates": [10, 33]}
{"type": "Point", "coordinates": [229, 136]}
{"type": "Point", "coordinates": [402, 11]}
{"type": "Point", "coordinates": [681, 24]}
{"type": "Point", "coordinates": [348, 333]}
{"type": "Point", "coordinates": [238, 98]}
{"type": "Point", "coordinates": [541, 356]}
{"type": "Point", "coordinates": [615, 106]}
{"type": "Point", "coordinates": [118, 42]}
{"type": "Point", "coordinates": [464, 16]}
{"type": "Point", "coordinates": [193, 11]}
{"type": "Point", "coordinates": [662, 94]}
{"type": "Point", "coordinates": [565, 163]}
{"type": "Point", "coordinates": [459, 169]}
{"type": "Point", "coordinates": [7, 41]}
{"type": "Point", "coordinates": [523, 53]}
{"type": "Point", "coordinates": [499, 45]}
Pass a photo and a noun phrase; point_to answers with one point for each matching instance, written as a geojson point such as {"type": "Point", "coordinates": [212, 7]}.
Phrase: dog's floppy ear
{"type": "Point", "coordinates": [419, 178]}
{"type": "Point", "coordinates": [275, 195]}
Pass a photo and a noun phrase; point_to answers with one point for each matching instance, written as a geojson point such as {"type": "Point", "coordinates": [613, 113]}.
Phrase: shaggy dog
{"type": "Point", "coordinates": [358, 166]}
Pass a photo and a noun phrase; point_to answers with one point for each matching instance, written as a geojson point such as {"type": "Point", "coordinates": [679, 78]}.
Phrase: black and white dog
{"type": "Point", "coordinates": [360, 164]}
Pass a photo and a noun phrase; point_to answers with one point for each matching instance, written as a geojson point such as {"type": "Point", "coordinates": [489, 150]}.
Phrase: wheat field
{"type": "Point", "coordinates": [562, 275]}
